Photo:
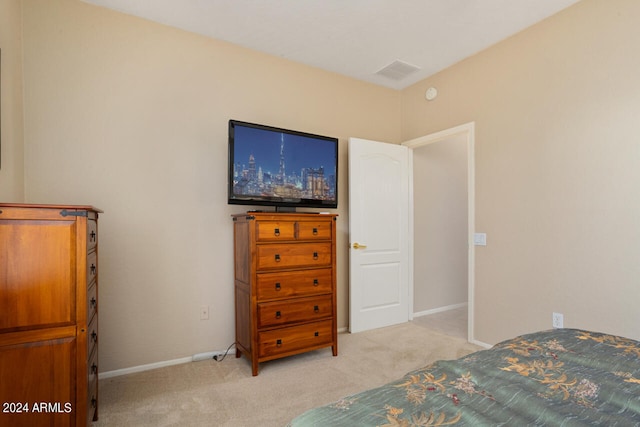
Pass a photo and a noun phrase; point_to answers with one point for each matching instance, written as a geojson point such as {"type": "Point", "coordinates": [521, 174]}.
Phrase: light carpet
{"type": "Point", "coordinates": [210, 393]}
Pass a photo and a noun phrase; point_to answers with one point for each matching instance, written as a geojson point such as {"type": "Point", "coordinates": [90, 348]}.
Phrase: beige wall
{"type": "Point", "coordinates": [440, 224]}
{"type": "Point", "coordinates": [557, 110]}
{"type": "Point", "coordinates": [131, 116]}
{"type": "Point", "coordinates": [11, 120]}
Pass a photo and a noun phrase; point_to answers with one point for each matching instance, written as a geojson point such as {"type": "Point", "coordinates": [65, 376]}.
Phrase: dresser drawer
{"type": "Point", "coordinates": [295, 338]}
{"type": "Point", "coordinates": [293, 255]}
{"type": "Point", "coordinates": [275, 230]}
{"type": "Point", "coordinates": [92, 301]}
{"type": "Point", "coordinates": [320, 230]}
{"type": "Point", "coordinates": [292, 311]}
{"type": "Point", "coordinates": [92, 267]}
{"type": "Point", "coordinates": [293, 283]}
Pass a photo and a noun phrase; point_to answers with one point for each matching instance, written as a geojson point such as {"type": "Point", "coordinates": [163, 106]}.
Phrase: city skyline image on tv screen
{"type": "Point", "coordinates": [271, 164]}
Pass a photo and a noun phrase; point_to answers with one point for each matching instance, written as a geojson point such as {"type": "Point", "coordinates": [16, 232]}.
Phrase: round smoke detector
{"type": "Point", "coordinates": [431, 93]}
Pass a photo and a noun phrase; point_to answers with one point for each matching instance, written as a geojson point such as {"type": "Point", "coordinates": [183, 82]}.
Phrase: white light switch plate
{"type": "Point", "coordinates": [480, 239]}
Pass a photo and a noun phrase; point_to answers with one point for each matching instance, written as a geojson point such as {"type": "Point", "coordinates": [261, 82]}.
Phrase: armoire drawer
{"type": "Point", "coordinates": [92, 267]}
{"type": "Point", "coordinates": [293, 311]}
{"type": "Point", "coordinates": [293, 255]}
{"type": "Point", "coordinates": [92, 369]}
{"type": "Point", "coordinates": [92, 234]}
{"type": "Point", "coordinates": [92, 335]}
{"type": "Point", "coordinates": [92, 401]}
{"type": "Point", "coordinates": [288, 284]}
{"type": "Point", "coordinates": [295, 338]}
{"type": "Point", "coordinates": [92, 301]}
{"type": "Point", "coordinates": [92, 385]}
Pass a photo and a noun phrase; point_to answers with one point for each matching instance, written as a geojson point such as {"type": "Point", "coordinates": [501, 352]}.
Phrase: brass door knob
{"type": "Point", "coordinates": [357, 245]}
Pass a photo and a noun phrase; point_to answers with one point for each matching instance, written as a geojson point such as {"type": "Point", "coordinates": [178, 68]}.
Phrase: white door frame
{"type": "Point", "coordinates": [468, 131]}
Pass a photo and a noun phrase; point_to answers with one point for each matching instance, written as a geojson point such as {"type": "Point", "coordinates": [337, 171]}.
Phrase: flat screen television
{"type": "Point", "coordinates": [282, 168]}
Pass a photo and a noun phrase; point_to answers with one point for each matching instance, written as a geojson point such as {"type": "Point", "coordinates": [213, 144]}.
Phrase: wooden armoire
{"type": "Point", "coordinates": [48, 315]}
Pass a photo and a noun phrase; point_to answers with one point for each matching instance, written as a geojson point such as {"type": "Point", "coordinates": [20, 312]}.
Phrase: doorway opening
{"type": "Point", "coordinates": [442, 223]}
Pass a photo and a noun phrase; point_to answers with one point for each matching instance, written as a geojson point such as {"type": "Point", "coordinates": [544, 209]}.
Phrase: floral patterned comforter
{"type": "Point", "coordinates": [562, 377]}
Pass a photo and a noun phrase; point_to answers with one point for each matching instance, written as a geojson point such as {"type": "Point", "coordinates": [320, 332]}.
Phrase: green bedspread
{"type": "Point", "coordinates": [562, 377]}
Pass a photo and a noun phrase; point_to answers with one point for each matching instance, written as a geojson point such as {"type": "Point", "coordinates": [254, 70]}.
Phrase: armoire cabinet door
{"type": "Point", "coordinates": [37, 279]}
{"type": "Point", "coordinates": [48, 367]}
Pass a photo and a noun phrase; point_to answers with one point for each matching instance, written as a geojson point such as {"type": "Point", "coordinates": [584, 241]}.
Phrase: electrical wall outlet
{"type": "Point", "coordinates": [204, 312]}
{"type": "Point", "coordinates": [558, 320]}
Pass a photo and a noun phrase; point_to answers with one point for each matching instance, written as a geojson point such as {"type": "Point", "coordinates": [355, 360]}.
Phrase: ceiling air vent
{"type": "Point", "coordinates": [397, 70]}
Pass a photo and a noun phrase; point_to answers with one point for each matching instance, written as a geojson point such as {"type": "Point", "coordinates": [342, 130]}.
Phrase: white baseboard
{"type": "Point", "coordinates": [447, 308]}
{"type": "Point", "coordinates": [150, 366]}
{"type": "Point", "coordinates": [205, 356]}
{"type": "Point", "coordinates": [481, 344]}
{"type": "Point", "coordinates": [141, 368]}
{"type": "Point", "coordinates": [440, 309]}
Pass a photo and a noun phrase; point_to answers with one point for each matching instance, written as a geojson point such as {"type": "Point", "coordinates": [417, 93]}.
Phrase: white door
{"type": "Point", "coordinates": [379, 234]}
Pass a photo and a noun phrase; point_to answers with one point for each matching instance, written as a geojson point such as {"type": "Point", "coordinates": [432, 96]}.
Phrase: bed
{"type": "Point", "coordinates": [561, 377]}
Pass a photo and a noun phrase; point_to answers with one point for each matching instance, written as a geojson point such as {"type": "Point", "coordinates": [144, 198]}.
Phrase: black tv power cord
{"type": "Point", "coordinates": [217, 357]}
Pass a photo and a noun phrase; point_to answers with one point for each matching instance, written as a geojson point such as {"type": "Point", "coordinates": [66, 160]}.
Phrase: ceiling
{"type": "Point", "coordinates": [356, 38]}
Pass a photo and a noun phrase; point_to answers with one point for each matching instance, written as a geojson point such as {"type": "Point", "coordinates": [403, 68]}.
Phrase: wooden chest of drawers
{"type": "Point", "coordinates": [48, 315]}
{"type": "Point", "coordinates": [285, 284]}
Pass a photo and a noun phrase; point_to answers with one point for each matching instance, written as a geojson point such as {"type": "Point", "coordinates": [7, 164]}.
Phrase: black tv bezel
{"type": "Point", "coordinates": [276, 202]}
